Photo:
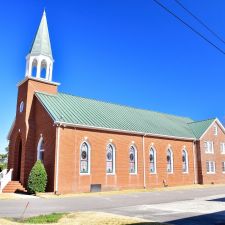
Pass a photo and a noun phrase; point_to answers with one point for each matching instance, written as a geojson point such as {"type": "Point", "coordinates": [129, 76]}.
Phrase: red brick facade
{"type": "Point", "coordinates": [62, 152]}
{"type": "Point", "coordinates": [216, 156]}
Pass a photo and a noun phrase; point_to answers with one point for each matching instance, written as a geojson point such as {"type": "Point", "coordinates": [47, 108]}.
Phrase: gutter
{"type": "Point", "coordinates": [120, 131]}
{"type": "Point", "coordinates": [57, 157]}
{"type": "Point", "coordinates": [195, 161]}
{"type": "Point", "coordinates": [143, 151]}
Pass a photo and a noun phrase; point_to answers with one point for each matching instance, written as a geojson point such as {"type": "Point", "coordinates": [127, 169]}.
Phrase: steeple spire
{"type": "Point", "coordinates": [39, 59]}
{"type": "Point", "coordinates": [42, 44]}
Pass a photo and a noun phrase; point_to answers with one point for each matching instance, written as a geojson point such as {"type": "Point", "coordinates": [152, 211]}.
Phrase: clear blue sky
{"type": "Point", "coordinates": [129, 52]}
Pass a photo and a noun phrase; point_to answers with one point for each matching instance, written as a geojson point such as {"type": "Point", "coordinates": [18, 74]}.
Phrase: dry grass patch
{"type": "Point", "coordinates": [86, 218]}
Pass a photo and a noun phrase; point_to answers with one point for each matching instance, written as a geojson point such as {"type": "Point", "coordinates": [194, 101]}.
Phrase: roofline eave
{"type": "Point", "coordinates": [61, 123]}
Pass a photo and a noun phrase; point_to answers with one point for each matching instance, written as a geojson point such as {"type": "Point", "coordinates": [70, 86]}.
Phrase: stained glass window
{"type": "Point", "coordinates": [152, 160]}
{"type": "Point", "coordinates": [169, 159]}
{"type": "Point", "coordinates": [184, 161]}
{"type": "Point", "coordinates": [133, 158]}
{"type": "Point", "coordinates": [40, 150]}
{"type": "Point", "coordinates": [84, 158]}
{"type": "Point", "coordinates": [110, 154]}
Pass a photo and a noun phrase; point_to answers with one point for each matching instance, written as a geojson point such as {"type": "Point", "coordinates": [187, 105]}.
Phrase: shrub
{"type": "Point", "coordinates": [37, 180]}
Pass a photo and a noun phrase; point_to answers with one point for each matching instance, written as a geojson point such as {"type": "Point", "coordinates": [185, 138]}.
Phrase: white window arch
{"type": "Point", "coordinates": [40, 149]}
{"type": "Point", "coordinates": [133, 159]}
{"type": "Point", "coordinates": [185, 161]}
{"type": "Point", "coordinates": [85, 154]}
{"type": "Point", "coordinates": [110, 159]}
{"type": "Point", "coordinates": [169, 159]}
{"type": "Point", "coordinates": [152, 160]}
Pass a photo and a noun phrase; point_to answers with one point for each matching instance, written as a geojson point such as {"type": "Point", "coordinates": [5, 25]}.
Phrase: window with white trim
{"type": "Point", "coordinates": [133, 160]}
{"type": "Point", "coordinates": [184, 161]}
{"type": "Point", "coordinates": [110, 159]}
{"type": "Point", "coordinates": [169, 158]}
{"type": "Point", "coordinates": [40, 149]}
{"type": "Point", "coordinates": [152, 160]}
{"type": "Point", "coordinates": [215, 130]}
{"type": "Point", "coordinates": [223, 167]}
{"type": "Point", "coordinates": [208, 145]}
{"type": "Point", "coordinates": [84, 158]}
{"type": "Point", "coordinates": [222, 148]}
{"type": "Point", "coordinates": [210, 167]}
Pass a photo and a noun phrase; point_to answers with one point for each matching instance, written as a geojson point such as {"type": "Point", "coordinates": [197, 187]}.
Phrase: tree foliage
{"type": "Point", "coordinates": [37, 180]}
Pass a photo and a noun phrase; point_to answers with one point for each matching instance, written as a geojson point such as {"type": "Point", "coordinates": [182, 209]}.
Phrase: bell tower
{"type": "Point", "coordinates": [38, 78]}
{"type": "Point", "coordinates": [39, 61]}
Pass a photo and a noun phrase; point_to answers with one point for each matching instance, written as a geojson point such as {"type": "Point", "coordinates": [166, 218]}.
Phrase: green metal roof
{"type": "Point", "coordinates": [41, 44]}
{"type": "Point", "coordinates": [88, 112]}
{"type": "Point", "coordinates": [92, 113]}
{"type": "Point", "coordinates": [199, 127]}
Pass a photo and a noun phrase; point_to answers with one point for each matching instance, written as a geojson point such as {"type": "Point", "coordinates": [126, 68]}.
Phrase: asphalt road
{"type": "Point", "coordinates": [192, 206]}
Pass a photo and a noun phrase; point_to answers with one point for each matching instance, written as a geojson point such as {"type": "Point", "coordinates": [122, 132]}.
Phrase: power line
{"type": "Point", "coordinates": [190, 27]}
{"type": "Point", "coordinates": [200, 21]}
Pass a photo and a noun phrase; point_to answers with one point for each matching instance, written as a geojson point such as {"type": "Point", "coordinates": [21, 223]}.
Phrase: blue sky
{"type": "Point", "coordinates": [128, 52]}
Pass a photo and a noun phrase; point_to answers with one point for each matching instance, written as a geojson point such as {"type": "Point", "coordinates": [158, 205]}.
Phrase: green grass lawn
{"type": "Point", "coordinates": [51, 218]}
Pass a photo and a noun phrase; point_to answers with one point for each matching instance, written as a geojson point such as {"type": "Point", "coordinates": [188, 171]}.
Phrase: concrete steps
{"type": "Point", "coordinates": [14, 186]}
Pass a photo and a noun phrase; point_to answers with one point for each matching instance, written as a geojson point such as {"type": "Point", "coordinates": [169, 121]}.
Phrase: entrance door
{"type": "Point", "coordinates": [18, 164]}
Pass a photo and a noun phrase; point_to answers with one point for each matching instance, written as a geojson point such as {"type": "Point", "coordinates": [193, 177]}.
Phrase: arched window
{"type": "Point", "coordinates": [152, 160]}
{"type": "Point", "coordinates": [133, 160]}
{"type": "Point", "coordinates": [110, 159]}
{"type": "Point", "coordinates": [43, 69]}
{"type": "Point", "coordinates": [184, 161]}
{"type": "Point", "coordinates": [85, 158]}
{"type": "Point", "coordinates": [40, 149]}
{"type": "Point", "coordinates": [169, 158]}
{"type": "Point", "coordinates": [34, 68]}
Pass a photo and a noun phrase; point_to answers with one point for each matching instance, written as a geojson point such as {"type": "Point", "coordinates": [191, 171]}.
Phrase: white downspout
{"type": "Point", "coordinates": [194, 157]}
{"type": "Point", "coordinates": [57, 157]}
{"type": "Point", "coordinates": [143, 152]}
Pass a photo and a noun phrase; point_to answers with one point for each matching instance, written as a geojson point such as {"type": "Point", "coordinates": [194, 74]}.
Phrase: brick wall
{"type": "Point", "coordinates": [27, 128]}
{"type": "Point", "coordinates": [70, 179]}
{"type": "Point", "coordinates": [219, 176]}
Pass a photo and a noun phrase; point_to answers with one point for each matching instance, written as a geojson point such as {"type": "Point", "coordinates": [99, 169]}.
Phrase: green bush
{"type": "Point", "coordinates": [3, 166]}
{"type": "Point", "coordinates": [37, 180]}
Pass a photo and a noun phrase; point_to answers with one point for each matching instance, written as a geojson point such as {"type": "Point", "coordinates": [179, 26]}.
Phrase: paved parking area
{"type": "Point", "coordinates": [205, 206]}
{"type": "Point", "coordinates": [204, 211]}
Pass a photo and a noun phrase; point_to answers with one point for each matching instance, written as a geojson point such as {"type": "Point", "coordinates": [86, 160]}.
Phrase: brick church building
{"type": "Point", "coordinates": [86, 144]}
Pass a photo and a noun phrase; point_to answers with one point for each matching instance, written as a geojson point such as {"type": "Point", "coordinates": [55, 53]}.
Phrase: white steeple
{"type": "Point", "coordinates": [39, 60]}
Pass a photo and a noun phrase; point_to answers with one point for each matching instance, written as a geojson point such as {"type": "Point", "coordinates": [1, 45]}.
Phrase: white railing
{"type": "Point", "coordinates": [5, 178]}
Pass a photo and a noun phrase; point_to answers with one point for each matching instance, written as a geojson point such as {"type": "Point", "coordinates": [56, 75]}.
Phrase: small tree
{"type": "Point", "coordinates": [37, 180]}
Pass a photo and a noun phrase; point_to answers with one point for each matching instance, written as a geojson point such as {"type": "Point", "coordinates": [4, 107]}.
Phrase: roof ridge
{"type": "Point", "coordinates": [199, 121]}
{"type": "Point", "coordinates": [148, 110]}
